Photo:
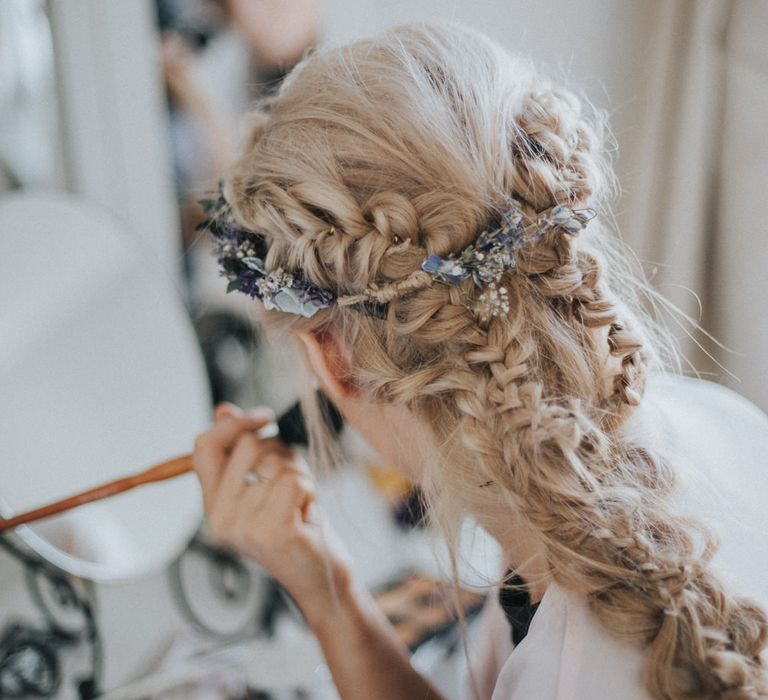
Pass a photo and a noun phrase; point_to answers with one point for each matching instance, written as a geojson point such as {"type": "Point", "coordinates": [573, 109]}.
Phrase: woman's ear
{"type": "Point", "coordinates": [330, 364]}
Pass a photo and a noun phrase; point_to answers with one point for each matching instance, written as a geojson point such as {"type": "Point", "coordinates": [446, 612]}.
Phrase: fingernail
{"type": "Point", "coordinates": [269, 430]}
{"type": "Point", "coordinates": [260, 413]}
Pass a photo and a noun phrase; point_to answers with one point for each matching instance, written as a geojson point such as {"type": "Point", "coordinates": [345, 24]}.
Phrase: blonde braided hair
{"type": "Point", "coordinates": [375, 151]}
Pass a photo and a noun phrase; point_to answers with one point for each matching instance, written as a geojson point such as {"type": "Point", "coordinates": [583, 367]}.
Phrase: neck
{"type": "Point", "coordinates": [521, 553]}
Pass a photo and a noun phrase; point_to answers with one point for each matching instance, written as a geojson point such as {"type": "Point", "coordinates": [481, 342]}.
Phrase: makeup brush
{"type": "Point", "coordinates": [291, 429]}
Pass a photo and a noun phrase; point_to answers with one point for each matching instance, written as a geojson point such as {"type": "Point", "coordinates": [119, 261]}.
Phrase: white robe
{"type": "Point", "coordinates": [720, 443]}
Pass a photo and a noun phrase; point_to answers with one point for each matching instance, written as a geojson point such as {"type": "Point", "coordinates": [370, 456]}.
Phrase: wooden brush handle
{"type": "Point", "coordinates": [290, 429]}
{"type": "Point", "coordinates": [160, 472]}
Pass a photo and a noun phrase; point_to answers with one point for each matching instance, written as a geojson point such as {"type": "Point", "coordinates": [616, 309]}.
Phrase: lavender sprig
{"type": "Point", "coordinates": [494, 250]}
{"type": "Point", "coordinates": [241, 254]}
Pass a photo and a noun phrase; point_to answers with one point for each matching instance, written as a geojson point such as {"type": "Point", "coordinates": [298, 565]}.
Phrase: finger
{"type": "Point", "coordinates": [290, 497]}
{"type": "Point", "coordinates": [301, 465]}
{"type": "Point", "coordinates": [212, 447]}
{"type": "Point", "coordinates": [244, 456]}
{"type": "Point", "coordinates": [270, 494]}
{"type": "Point", "coordinates": [224, 434]}
{"type": "Point", "coordinates": [225, 409]}
{"type": "Point", "coordinates": [312, 513]}
{"type": "Point", "coordinates": [261, 412]}
{"type": "Point", "coordinates": [265, 457]}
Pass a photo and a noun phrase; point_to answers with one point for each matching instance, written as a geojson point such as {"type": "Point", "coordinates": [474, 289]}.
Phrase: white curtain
{"type": "Point", "coordinates": [694, 169]}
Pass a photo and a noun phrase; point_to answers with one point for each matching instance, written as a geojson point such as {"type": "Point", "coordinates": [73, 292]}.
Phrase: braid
{"type": "Point", "coordinates": [363, 171]}
{"type": "Point", "coordinates": [572, 280]}
{"type": "Point", "coordinates": [554, 148]}
{"type": "Point", "coordinates": [627, 555]}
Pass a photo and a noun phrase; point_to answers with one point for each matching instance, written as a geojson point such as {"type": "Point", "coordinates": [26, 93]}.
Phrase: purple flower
{"type": "Point", "coordinates": [247, 283]}
{"type": "Point", "coordinates": [322, 298]}
{"type": "Point", "coordinates": [451, 271]}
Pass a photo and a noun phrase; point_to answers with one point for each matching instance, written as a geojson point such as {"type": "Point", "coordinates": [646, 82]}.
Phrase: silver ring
{"type": "Point", "coordinates": [252, 477]}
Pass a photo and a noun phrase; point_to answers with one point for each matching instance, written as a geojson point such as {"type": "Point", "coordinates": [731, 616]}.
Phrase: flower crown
{"type": "Point", "coordinates": [241, 253]}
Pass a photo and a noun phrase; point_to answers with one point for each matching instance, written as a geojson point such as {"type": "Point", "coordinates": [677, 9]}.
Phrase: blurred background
{"type": "Point", "coordinates": [126, 112]}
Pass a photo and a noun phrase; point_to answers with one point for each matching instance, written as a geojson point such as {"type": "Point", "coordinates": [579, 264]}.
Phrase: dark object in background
{"type": "Point", "coordinates": [223, 335]}
{"type": "Point", "coordinates": [293, 429]}
{"type": "Point", "coordinates": [411, 511]}
{"type": "Point", "coordinates": [192, 21]}
{"type": "Point", "coordinates": [29, 664]}
{"type": "Point", "coordinates": [420, 607]}
{"type": "Point", "coordinates": [517, 607]}
{"type": "Point", "coordinates": [228, 343]}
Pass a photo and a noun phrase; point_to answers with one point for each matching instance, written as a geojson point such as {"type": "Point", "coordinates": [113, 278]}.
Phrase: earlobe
{"type": "Point", "coordinates": [329, 364]}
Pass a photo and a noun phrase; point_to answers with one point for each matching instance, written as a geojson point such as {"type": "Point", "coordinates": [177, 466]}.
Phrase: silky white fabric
{"type": "Point", "coordinates": [719, 442]}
